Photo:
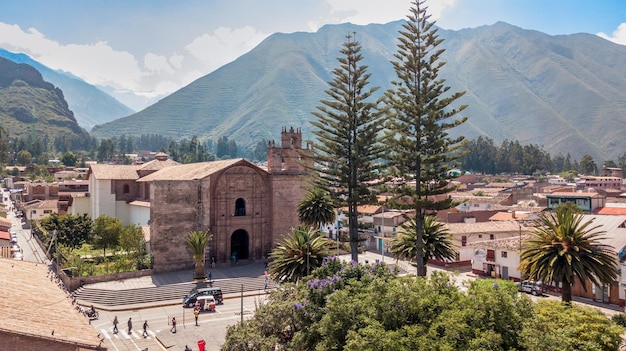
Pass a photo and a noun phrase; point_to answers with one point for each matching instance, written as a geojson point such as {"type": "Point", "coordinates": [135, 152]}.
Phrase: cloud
{"type": "Point", "coordinates": [618, 36]}
{"type": "Point", "coordinates": [366, 12]}
{"type": "Point", "coordinates": [223, 46]}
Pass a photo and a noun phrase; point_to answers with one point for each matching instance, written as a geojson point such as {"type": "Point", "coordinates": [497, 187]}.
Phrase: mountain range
{"type": "Point", "coordinates": [90, 105]}
{"type": "Point", "coordinates": [565, 93]}
{"type": "Point", "coordinates": [32, 107]}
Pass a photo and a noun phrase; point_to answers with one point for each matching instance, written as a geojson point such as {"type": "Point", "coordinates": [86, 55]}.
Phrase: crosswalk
{"type": "Point", "coordinates": [123, 334]}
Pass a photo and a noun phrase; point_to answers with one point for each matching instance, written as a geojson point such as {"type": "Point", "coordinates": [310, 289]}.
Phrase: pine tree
{"type": "Point", "coordinates": [421, 151]}
{"type": "Point", "coordinates": [348, 129]}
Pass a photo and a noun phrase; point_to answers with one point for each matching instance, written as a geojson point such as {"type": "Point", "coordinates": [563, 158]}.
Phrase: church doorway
{"type": "Point", "coordinates": [239, 245]}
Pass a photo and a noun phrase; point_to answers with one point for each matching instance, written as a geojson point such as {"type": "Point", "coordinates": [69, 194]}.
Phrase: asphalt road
{"type": "Point", "coordinates": [211, 326]}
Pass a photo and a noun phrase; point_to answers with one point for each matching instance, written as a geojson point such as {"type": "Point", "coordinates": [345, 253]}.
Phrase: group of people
{"type": "Point", "coordinates": [130, 327]}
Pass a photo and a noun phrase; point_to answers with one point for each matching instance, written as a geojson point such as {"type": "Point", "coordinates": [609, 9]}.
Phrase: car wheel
{"type": "Point", "coordinates": [534, 292]}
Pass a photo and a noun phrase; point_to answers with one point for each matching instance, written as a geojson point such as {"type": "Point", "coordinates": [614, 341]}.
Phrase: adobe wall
{"type": "Point", "coordinates": [250, 184]}
{"type": "Point", "coordinates": [178, 207]}
{"type": "Point", "coordinates": [173, 214]}
{"type": "Point", "coordinates": [14, 341]}
{"type": "Point", "coordinates": [287, 192]}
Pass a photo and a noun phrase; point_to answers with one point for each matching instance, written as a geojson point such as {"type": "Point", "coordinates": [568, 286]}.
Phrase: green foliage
{"type": "Point", "coordinates": [563, 248]}
{"type": "Point", "coordinates": [587, 166]}
{"type": "Point", "coordinates": [558, 326]}
{"type": "Point", "coordinates": [316, 209]}
{"type": "Point", "coordinates": [348, 130]}
{"type": "Point", "coordinates": [72, 230]}
{"type": "Point", "coordinates": [569, 206]}
{"type": "Point", "coordinates": [133, 243]}
{"type": "Point", "coordinates": [420, 150]}
{"type": "Point", "coordinates": [69, 159]}
{"type": "Point", "coordinates": [24, 158]}
{"type": "Point", "coordinates": [303, 250]}
{"type": "Point", "coordinates": [106, 233]}
{"type": "Point", "coordinates": [349, 306]}
{"type": "Point", "coordinates": [438, 242]}
{"type": "Point", "coordinates": [197, 241]}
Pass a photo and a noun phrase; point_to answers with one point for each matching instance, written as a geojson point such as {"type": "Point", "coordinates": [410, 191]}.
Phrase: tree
{"type": "Point", "coordinates": [132, 241]}
{"type": "Point", "coordinates": [316, 209]}
{"type": "Point", "coordinates": [24, 158]}
{"type": "Point", "coordinates": [563, 248]}
{"type": "Point", "coordinates": [588, 165]}
{"type": "Point", "coordinates": [421, 152]}
{"type": "Point", "coordinates": [4, 146]}
{"type": "Point", "coordinates": [347, 134]}
{"type": "Point", "coordinates": [106, 232]}
{"type": "Point", "coordinates": [298, 254]}
{"type": "Point", "coordinates": [69, 159]}
{"type": "Point", "coordinates": [72, 230]}
{"type": "Point", "coordinates": [437, 241]}
{"type": "Point", "coordinates": [561, 327]}
{"type": "Point", "coordinates": [197, 242]}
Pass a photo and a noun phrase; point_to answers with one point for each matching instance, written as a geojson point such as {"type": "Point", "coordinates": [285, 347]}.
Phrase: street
{"type": "Point", "coordinates": [212, 326]}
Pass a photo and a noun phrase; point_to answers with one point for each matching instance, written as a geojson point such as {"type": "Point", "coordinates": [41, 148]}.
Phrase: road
{"type": "Point", "coordinates": [212, 326]}
{"type": "Point", "coordinates": [31, 250]}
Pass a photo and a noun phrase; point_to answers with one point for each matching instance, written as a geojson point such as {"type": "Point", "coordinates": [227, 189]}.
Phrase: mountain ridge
{"type": "Point", "coordinates": [91, 106]}
{"type": "Point", "coordinates": [565, 93]}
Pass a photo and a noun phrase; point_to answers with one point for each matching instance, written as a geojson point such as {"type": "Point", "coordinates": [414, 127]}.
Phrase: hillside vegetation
{"type": "Point", "coordinates": [32, 107]}
{"type": "Point", "coordinates": [564, 93]}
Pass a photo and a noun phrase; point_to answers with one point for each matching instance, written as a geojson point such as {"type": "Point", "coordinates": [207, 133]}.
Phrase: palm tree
{"type": "Point", "coordinates": [298, 254]}
{"type": "Point", "coordinates": [198, 242]}
{"type": "Point", "coordinates": [437, 242]}
{"type": "Point", "coordinates": [564, 247]}
{"type": "Point", "coordinates": [316, 209]}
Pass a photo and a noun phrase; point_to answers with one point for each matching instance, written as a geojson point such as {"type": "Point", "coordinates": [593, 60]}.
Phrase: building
{"type": "Point", "coordinates": [35, 314]}
{"type": "Point", "coordinates": [245, 208]}
{"type": "Point", "coordinates": [586, 201]}
{"type": "Point", "coordinates": [603, 182]}
{"type": "Point", "coordinates": [500, 258]}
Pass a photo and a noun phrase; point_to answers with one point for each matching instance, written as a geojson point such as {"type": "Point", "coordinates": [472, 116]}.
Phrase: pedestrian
{"type": "Point", "coordinates": [265, 284]}
{"type": "Point", "coordinates": [267, 262]}
{"type": "Point", "coordinates": [130, 325]}
{"type": "Point", "coordinates": [173, 330]}
{"type": "Point", "coordinates": [210, 277]}
{"type": "Point", "coordinates": [213, 262]}
{"type": "Point", "coordinates": [196, 313]}
{"type": "Point", "coordinates": [145, 329]}
{"type": "Point", "coordinates": [115, 325]}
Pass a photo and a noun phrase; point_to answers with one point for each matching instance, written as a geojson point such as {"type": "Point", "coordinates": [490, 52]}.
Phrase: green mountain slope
{"type": "Point", "coordinates": [565, 93]}
{"type": "Point", "coordinates": [91, 106]}
{"type": "Point", "coordinates": [30, 106]}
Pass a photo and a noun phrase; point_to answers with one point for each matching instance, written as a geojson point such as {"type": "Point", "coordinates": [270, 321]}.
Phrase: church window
{"type": "Point", "coordinates": [126, 189]}
{"type": "Point", "coordinates": [240, 207]}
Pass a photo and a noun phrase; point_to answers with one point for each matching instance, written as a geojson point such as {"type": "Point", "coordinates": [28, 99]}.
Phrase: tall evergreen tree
{"type": "Point", "coordinates": [421, 151]}
{"type": "Point", "coordinates": [347, 134]}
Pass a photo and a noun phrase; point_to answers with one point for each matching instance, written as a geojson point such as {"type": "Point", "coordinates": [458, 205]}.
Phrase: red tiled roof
{"type": "Point", "coordinates": [611, 211]}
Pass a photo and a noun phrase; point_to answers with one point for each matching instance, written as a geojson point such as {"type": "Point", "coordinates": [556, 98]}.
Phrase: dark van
{"type": "Point", "coordinates": [190, 300]}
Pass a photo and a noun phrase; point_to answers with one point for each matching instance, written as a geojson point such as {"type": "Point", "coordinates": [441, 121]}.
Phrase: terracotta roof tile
{"type": "Point", "coordinates": [33, 304]}
{"type": "Point", "coordinates": [192, 171]}
{"type": "Point", "coordinates": [120, 172]}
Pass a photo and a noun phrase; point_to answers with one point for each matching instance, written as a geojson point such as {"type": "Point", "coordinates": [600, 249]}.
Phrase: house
{"type": "Point", "coordinates": [115, 192]}
{"type": "Point", "coordinates": [586, 201]}
{"type": "Point", "coordinates": [500, 258]}
{"type": "Point", "coordinates": [465, 234]}
{"type": "Point", "coordinates": [36, 314]}
{"type": "Point", "coordinates": [604, 182]}
{"type": "Point", "coordinates": [37, 210]}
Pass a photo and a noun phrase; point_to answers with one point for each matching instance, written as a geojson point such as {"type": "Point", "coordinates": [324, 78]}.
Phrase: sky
{"type": "Point", "coordinates": [142, 50]}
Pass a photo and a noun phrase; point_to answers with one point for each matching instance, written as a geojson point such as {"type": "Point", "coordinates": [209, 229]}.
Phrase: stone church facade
{"type": "Point", "coordinates": [246, 208]}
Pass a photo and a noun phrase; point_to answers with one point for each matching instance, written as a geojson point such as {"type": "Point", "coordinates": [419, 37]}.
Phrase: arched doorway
{"type": "Point", "coordinates": [239, 245]}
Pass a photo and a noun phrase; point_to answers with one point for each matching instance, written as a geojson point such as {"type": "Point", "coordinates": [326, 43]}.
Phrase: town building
{"type": "Point", "coordinates": [247, 209]}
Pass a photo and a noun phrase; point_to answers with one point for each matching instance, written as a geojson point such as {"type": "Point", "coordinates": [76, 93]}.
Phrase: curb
{"type": "Point", "coordinates": [165, 303]}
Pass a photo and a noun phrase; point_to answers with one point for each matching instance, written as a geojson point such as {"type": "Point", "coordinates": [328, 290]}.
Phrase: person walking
{"type": "Point", "coordinates": [145, 329]}
{"type": "Point", "coordinates": [115, 322]}
{"type": "Point", "coordinates": [265, 284]}
{"type": "Point", "coordinates": [173, 330]}
{"type": "Point", "coordinates": [196, 313]}
{"type": "Point", "coordinates": [130, 325]}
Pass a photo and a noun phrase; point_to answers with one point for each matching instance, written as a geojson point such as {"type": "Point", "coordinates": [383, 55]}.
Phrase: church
{"type": "Point", "coordinates": [246, 208]}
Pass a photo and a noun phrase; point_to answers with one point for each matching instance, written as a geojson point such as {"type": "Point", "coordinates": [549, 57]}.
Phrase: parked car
{"type": "Point", "coordinates": [531, 287]}
{"type": "Point", "coordinates": [190, 300]}
{"type": "Point", "coordinates": [18, 256]}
